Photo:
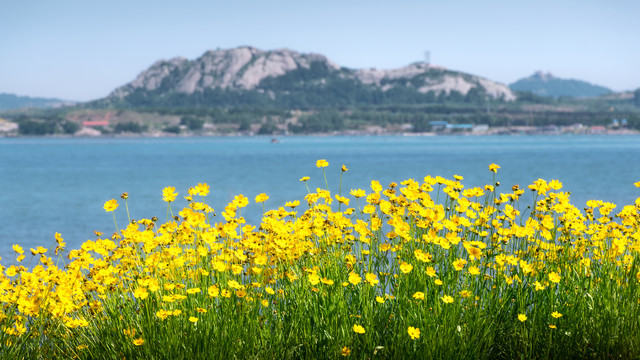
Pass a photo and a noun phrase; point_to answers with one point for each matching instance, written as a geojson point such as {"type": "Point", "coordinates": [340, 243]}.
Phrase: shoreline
{"type": "Point", "coordinates": [497, 131]}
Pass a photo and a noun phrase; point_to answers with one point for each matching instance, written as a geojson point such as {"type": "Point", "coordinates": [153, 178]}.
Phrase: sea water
{"type": "Point", "coordinates": [50, 185]}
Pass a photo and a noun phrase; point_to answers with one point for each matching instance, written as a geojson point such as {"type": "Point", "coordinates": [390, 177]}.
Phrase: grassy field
{"type": "Point", "coordinates": [420, 269]}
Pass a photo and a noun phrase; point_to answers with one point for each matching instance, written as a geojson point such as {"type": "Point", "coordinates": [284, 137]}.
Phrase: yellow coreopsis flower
{"type": "Point", "coordinates": [17, 248]}
{"type": "Point", "coordinates": [418, 295]}
{"type": "Point", "coordinates": [494, 168]}
{"type": "Point", "coordinates": [354, 278]}
{"type": "Point", "coordinates": [110, 205]}
{"type": "Point", "coordinates": [201, 189]}
{"type": "Point", "coordinates": [262, 198]}
{"type": "Point", "coordinates": [459, 264]}
{"type": "Point", "coordinates": [138, 342]}
{"type": "Point", "coordinates": [447, 299]}
{"type": "Point", "coordinates": [141, 293]}
{"type": "Point", "coordinates": [314, 279]}
{"type": "Point", "coordinates": [522, 317]}
{"type": "Point", "coordinates": [556, 314]}
{"type": "Point", "coordinates": [554, 277]}
{"type": "Point", "coordinates": [406, 267]}
{"type": "Point", "coordinates": [193, 319]}
{"type": "Point", "coordinates": [169, 194]}
{"type": "Point", "coordinates": [346, 351]}
{"type": "Point", "coordinates": [358, 329]}
{"type": "Point", "coordinates": [372, 279]}
{"type": "Point", "coordinates": [327, 281]}
{"type": "Point", "coordinates": [413, 332]}
{"type": "Point", "coordinates": [357, 193]}
{"type": "Point", "coordinates": [322, 163]}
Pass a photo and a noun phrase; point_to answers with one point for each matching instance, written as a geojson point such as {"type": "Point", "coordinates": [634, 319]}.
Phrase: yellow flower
{"type": "Point", "coordinates": [344, 168]}
{"type": "Point", "coordinates": [494, 168]}
{"type": "Point", "coordinates": [138, 342]}
{"type": "Point", "coordinates": [372, 279]}
{"type": "Point", "coordinates": [357, 193]}
{"type": "Point", "coordinates": [110, 205]}
{"type": "Point", "coordinates": [346, 351]}
{"type": "Point", "coordinates": [380, 299]}
{"type": "Point", "coordinates": [327, 281]}
{"type": "Point", "coordinates": [162, 314]}
{"type": "Point", "coordinates": [17, 248]}
{"type": "Point", "coordinates": [38, 250]}
{"type": "Point", "coordinates": [551, 326]}
{"type": "Point", "coordinates": [292, 204]}
{"type": "Point", "coordinates": [474, 270]}
{"type": "Point", "coordinates": [358, 329]}
{"type": "Point", "coordinates": [522, 317]}
{"type": "Point", "coordinates": [193, 291]}
{"type": "Point", "coordinates": [554, 277]}
{"type": "Point", "coordinates": [637, 184]}
{"type": "Point", "coordinates": [169, 194]}
{"type": "Point", "coordinates": [262, 198]}
{"type": "Point", "coordinates": [354, 278]}
{"type": "Point", "coordinates": [305, 178]}
{"type": "Point", "coordinates": [375, 186]}
{"type": "Point", "coordinates": [447, 299]}
{"type": "Point", "coordinates": [414, 333]}
{"type": "Point", "coordinates": [201, 189]}
{"type": "Point", "coordinates": [459, 264]}
{"type": "Point", "coordinates": [201, 310]}
{"type": "Point", "coordinates": [193, 319]}
{"type": "Point", "coordinates": [140, 293]}
{"type": "Point", "coordinates": [556, 314]}
{"type": "Point", "coordinates": [431, 272]}
{"type": "Point", "coordinates": [418, 295]}
{"type": "Point", "coordinates": [438, 282]}
{"type": "Point", "coordinates": [269, 290]}
{"type": "Point", "coordinates": [322, 163]}
{"type": "Point", "coordinates": [314, 279]}
{"type": "Point", "coordinates": [406, 267]}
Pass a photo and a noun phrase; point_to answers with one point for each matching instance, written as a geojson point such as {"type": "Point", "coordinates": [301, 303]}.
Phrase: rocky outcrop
{"type": "Point", "coordinates": [240, 68]}
{"type": "Point", "coordinates": [245, 68]}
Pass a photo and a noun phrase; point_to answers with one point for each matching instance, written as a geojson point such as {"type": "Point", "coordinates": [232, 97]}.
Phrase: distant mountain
{"type": "Point", "coordinates": [11, 101]}
{"type": "Point", "coordinates": [548, 85]}
{"type": "Point", "coordinates": [250, 76]}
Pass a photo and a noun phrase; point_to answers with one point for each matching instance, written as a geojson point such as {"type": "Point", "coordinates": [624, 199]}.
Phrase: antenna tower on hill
{"type": "Point", "coordinates": [427, 57]}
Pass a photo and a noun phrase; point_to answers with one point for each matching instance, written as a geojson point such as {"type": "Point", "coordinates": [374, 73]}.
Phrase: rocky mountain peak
{"type": "Point", "coordinates": [245, 68]}
{"type": "Point", "coordinates": [241, 68]}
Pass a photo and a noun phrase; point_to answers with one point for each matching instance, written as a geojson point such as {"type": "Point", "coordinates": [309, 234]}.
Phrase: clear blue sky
{"type": "Point", "coordinates": [82, 50]}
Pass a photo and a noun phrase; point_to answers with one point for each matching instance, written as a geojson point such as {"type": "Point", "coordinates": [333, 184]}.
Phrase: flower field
{"type": "Point", "coordinates": [420, 269]}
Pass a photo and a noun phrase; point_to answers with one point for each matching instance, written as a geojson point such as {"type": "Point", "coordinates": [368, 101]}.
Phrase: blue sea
{"type": "Point", "coordinates": [51, 185]}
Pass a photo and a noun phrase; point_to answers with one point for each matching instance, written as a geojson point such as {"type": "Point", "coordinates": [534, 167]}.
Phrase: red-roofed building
{"type": "Point", "coordinates": [95, 123]}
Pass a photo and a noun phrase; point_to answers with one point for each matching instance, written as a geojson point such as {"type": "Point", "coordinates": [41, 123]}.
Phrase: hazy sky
{"type": "Point", "coordinates": [82, 50]}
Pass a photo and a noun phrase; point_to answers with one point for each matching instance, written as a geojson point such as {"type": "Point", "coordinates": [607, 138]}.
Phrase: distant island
{"type": "Point", "coordinates": [542, 84]}
{"type": "Point", "coordinates": [249, 91]}
{"type": "Point", "coordinates": [12, 101]}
